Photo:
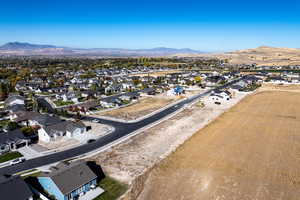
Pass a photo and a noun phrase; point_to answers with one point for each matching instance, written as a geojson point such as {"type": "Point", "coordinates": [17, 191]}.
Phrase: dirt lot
{"type": "Point", "coordinates": [250, 152]}
{"type": "Point", "coordinates": [284, 87]}
{"type": "Point", "coordinates": [143, 107]}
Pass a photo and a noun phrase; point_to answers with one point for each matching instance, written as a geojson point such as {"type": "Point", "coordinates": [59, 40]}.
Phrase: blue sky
{"type": "Point", "coordinates": [203, 25]}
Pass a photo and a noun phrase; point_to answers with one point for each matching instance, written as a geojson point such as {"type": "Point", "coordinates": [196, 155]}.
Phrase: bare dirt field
{"type": "Point", "coordinates": [141, 108]}
{"type": "Point", "coordinates": [284, 87]}
{"type": "Point", "coordinates": [250, 152]}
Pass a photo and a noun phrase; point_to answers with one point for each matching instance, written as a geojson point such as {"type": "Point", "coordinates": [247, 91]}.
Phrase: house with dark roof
{"type": "Point", "coordinates": [44, 120]}
{"type": "Point", "coordinates": [23, 117]}
{"type": "Point", "coordinates": [69, 181]}
{"type": "Point", "coordinates": [12, 140]}
{"type": "Point", "coordinates": [14, 188]}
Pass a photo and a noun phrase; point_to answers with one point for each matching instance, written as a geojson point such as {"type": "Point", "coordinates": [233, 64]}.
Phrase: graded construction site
{"type": "Point", "coordinates": [251, 152]}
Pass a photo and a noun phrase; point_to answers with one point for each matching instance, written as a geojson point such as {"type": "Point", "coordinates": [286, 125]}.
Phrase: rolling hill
{"type": "Point", "coordinates": [262, 56]}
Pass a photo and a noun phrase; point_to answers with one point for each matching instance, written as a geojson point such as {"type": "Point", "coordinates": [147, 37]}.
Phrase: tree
{"type": "Point", "coordinates": [3, 91]}
{"type": "Point", "coordinates": [78, 116]}
{"type": "Point", "coordinates": [27, 131]}
{"type": "Point", "coordinates": [94, 86]}
{"type": "Point", "coordinates": [198, 79]}
{"type": "Point", "coordinates": [11, 126]}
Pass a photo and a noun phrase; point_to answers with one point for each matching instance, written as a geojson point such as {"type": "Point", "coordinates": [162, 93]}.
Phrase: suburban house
{"type": "Point", "coordinates": [23, 117]}
{"type": "Point", "coordinates": [13, 140]}
{"type": "Point", "coordinates": [70, 96]}
{"type": "Point", "coordinates": [114, 88]}
{"type": "Point", "coordinates": [110, 102]}
{"type": "Point", "coordinates": [68, 181]}
{"type": "Point", "coordinates": [14, 188]}
{"type": "Point", "coordinates": [14, 100]}
{"type": "Point", "coordinates": [217, 98]}
{"type": "Point", "coordinates": [239, 85]}
{"type": "Point", "coordinates": [224, 93]}
{"type": "Point", "coordinates": [87, 106]}
{"type": "Point", "coordinates": [15, 103]}
{"type": "Point", "coordinates": [178, 90]}
{"type": "Point", "coordinates": [44, 120]}
{"type": "Point", "coordinates": [147, 91]}
{"type": "Point", "coordinates": [58, 130]}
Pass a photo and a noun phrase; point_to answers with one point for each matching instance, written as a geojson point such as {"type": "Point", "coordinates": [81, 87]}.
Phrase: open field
{"type": "Point", "coordinates": [285, 87]}
{"type": "Point", "coordinates": [250, 152]}
{"type": "Point", "coordinates": [141, 108]}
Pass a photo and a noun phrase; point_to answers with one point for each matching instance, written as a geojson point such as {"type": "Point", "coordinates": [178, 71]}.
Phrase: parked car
{"type": "Point", "coordinates": [17, 161]}
{"type": "Point", "coordinates": [91, 141]}
{"type": "Point", "coordinates": [95, 120]}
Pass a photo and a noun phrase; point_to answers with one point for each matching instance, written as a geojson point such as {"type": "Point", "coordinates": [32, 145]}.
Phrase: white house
{"type": "Point", "coordinates": [14, 100]}
{"type": "Point", "coordinates": [218, 98]}
{"type": "Point", "coordinates": [63, 129]}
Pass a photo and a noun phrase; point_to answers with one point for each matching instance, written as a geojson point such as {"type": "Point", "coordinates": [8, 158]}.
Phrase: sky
{"type": "Point", "coordinates": [210, 25]}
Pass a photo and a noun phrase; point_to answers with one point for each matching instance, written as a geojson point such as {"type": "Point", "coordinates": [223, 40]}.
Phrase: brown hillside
{"type": "Point", "coordinates": [264, 55]}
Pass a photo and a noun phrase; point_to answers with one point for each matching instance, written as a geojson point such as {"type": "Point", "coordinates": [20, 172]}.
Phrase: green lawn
{"type": "Point", "coordinates": [3, 123]}
{"type": "Point", "coordinates": [9, 156]}
{"type": "Point", "coordinates": [63, 103]}
{"type": "Point", "coordinates": [113, 189]}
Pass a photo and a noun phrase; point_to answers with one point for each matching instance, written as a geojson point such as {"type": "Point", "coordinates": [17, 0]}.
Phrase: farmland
{"type": "Point", "coordinates": [250, 152]}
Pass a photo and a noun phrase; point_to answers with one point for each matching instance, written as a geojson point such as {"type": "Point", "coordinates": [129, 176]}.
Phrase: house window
{"type": "Point", "coordinates": [80, 190]}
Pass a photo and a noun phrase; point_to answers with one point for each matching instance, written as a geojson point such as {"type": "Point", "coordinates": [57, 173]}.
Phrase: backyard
{"type": "Point", "coordinates": [113, 189]}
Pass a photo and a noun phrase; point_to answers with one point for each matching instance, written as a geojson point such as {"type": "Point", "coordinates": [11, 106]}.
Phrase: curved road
{"type": "Point", "coordinates": [121, 130]}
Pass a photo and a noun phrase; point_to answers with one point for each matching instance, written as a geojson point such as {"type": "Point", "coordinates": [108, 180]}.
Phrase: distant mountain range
{"type": "Point", "coordinates": [20, 48]}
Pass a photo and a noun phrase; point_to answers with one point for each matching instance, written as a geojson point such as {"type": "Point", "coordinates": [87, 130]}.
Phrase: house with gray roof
{"type": "Point", "coordinates": [15, 103]}
{"type": "Point", "coordinates": [62, 129]}
{"type": "Point", "coordinates": [69, 181]}
{"type": "Point", "coordinates": [15, 100]}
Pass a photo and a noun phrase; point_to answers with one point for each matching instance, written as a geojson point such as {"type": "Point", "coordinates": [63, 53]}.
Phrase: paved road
{"type": "Point", "coordinates": [121, 130]}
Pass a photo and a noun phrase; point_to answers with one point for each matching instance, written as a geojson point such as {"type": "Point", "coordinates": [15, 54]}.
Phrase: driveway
{"type": "Point", "coordinates": [29, 152]}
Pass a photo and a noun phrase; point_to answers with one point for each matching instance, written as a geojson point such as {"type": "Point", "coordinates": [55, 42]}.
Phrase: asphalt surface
{"type": "Point", "coordinates": [121, 130]}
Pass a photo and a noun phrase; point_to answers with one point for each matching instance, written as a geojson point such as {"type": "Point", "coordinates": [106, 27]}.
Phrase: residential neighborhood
{"type": "Point", "coordinates": [42, 117]}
